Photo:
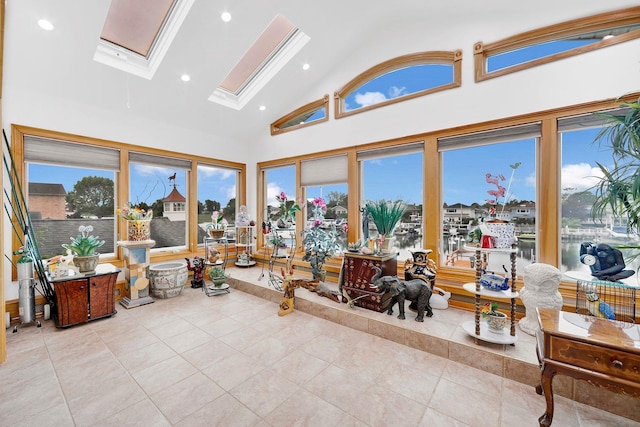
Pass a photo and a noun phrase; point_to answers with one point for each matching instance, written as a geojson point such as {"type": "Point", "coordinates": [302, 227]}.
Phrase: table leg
{"type": "Point", "coordinates": [545, 387]}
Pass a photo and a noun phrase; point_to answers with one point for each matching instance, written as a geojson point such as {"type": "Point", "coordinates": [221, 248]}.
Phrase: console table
{"type": "Point", "coordinates": [602, 352]}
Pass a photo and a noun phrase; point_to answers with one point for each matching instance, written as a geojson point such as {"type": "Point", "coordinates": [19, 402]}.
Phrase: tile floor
{"type": "Point", "coordinates": [230, 360]}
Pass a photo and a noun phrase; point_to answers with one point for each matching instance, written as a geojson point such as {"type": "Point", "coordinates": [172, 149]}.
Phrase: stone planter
{"type": "Point", "coordinates": [167, 279]}
{"type": "Point", "coordinates": [86, 264]}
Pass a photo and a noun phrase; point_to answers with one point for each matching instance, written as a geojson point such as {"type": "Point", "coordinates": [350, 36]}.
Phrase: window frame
{"type": "Point", "coordinates": [322, 103]}
{"type": "Point", "coordinates": [453, 58]}
{"type": "Point", "coordinates": [599, 22]}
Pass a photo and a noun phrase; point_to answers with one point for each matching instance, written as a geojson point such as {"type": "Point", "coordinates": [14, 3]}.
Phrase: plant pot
{"type": "Point", "coordinates": [218, 280]}
{"type": "Point", "coordinates": [86, 264]}
{"type": "Point", "coordinates": [388, 243]}
{"type": "Point", "coordinates": [216, 233]}
{"type": "Point", "coordinates": [138, 230]}
{"type": "Point", "coordinates": [497, 322]}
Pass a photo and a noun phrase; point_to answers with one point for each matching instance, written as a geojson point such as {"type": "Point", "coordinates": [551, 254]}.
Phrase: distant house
{"type": "Point", "coordinates": [458, 213]}
{"type": "Point", "coordinates": [340, 211]}
{"type": "Point", "coordinates": [174, 206]}
{"type": "Point", "coordinates": [526, 210]}
{"type": "Point", "coordinates": [47, 201]}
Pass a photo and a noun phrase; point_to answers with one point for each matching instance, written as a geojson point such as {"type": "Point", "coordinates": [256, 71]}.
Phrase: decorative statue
{"type": "Point", "coordinates": [413, 290]}
{"type": "Point", "coordinates": [605, 262]}
{"type": "Point", "coordinates": [242, 218]}
{"type": "Point", "coordinates": [540, 289]}
{"type": "Point", "coordinates": [198, 271]}
{"type": "Point", "coordinates": [423, 267]}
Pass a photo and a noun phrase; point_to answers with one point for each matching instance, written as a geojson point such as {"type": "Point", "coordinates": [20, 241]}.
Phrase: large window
{"type": "Point", "coordinates": [381, 181]}
{"type": "Point", "coordinates": [65, 189]}
{"type": "Point", "coordinates": [160, 183]}
{"type": "Point", "coordinates": [580, 172]}
{"type": "Point", "coordinates": [70, 180]}
{"type": "Point", "coordinates": [217, 189]}
{"type": "Point", "coordinates": [489, 175]}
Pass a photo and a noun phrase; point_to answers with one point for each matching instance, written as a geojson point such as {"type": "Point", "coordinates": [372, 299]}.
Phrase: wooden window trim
{"type": "Point", "coordinates": [311, 107]}
{"type": "Point", "coordinates": [434, 57]}
{"type": "Point", "coordinates": [603, 21]}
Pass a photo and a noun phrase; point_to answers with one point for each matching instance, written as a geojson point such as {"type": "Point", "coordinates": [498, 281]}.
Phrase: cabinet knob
{"type": "Point", "coordinates": [617, 364]}
{"type": "Point", "coordinates": [82, 287]}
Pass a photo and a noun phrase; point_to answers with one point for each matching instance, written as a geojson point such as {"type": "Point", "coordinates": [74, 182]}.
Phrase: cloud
{"type": "Point", "coordinates": [272, 191]}
{"type": "Point", "coordinates": [219, 173]}
{"type": "Point", "coordinates": [395, 91]}
{"type": "Point", "coordinates": [231, 192]}
{"type": "Point", "coordinates": [581, 176]}
{"type": "Point", "coordinates": [148, 170]}
{"type": "Point", "coordinates": [369, 98]}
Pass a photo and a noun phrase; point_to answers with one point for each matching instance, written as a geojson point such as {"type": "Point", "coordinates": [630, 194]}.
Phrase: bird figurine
{"type": "Point", "coordinates": [599, 308]}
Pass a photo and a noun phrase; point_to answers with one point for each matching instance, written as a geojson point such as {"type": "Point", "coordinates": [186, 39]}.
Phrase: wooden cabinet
{"type": "Point", "coordinates": [80, 299]}
{"type": "Point", "coordinates": [358, 271]}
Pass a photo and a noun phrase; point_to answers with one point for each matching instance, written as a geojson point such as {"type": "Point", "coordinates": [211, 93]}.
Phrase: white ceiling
{"type": "Point", "coordinates": [60, 63]}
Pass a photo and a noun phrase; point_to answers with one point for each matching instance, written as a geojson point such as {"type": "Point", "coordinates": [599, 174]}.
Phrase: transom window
{"type": "Point", "coordinates": [397, 79]}
{"type": "Point", "coordinates": [312, 113]}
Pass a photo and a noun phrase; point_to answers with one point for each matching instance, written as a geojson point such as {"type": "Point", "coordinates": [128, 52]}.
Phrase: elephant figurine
{"type": "Point", "coordinates": [415, 290]}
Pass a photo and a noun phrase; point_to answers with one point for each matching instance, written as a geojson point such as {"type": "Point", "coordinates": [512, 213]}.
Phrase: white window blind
{"type": "Point", "coordinates": [324, 171]}
{"type": "Point", "coordinates": [63, 153]}
{"type": "Point", "coordinates": [151, 159]}
{"type": "Point", "coordinates": [589, 120]}
{"type": "Point", "coordinates": [398, 150]}
{"type": "Point", "coordinates": [494, 136]}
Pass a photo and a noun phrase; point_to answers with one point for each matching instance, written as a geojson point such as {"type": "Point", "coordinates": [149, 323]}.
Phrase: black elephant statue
{"type": "Point", "coordinates": [415, 290]}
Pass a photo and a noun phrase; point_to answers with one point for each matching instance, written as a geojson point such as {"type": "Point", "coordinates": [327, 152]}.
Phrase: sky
{"type": "Point", "coordinates": [398, 177]}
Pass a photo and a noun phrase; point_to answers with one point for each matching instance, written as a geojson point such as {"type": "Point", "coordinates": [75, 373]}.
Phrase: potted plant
{"type": "Point", "coordinates": [84, 246]}
{"type": "Point", "coordinates": [217, 276]}
{"type": "Point", "coordinates": [279, 245]}
{"type": "Point", "coordinates": [138, 221]}
{"type": "Point", "coordinates": [496, 320]}
{"type": "Point", "coordinates": [218, 225]}
{"type": "Point", "coordinates": [287, 210]}
{"type": "Point", "coordinates": [386, 215]}
{"type": "Point", "coordinates": [319, 243]}
{"type": "Point", "coordinates": [618, 191]}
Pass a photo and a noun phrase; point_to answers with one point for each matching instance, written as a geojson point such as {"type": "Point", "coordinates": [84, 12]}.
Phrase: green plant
{"type": "Point", "coordinates": [84, 244]}
{"type": "Point", "coordinates": [385, 215]}
{"type": "Point", "coordinates": [490, 309]}
{"type": "Point", "coordinates": [619, 188]}
{"type": "Point", "coordinates": [132, 212]}
{"type": "Point", "coordinates": [288, 208]}
{"type": "Point", "coordinates": [216, 272]}
{"type": "Point", "coordinates": [319, 243]}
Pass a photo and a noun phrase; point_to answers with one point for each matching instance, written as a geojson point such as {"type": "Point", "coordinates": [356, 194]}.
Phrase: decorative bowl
{"type": "Point", "coordinates": [493, 282]}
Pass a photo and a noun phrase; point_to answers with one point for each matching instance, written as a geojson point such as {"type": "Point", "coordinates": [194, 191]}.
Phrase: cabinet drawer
{"type": "Point", "coordinates": [616, 363]}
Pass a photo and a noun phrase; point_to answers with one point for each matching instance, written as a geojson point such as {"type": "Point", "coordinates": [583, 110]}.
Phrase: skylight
{"type": "Point", "coordinates": [277, 44]}
{"type": "Point", "coordinates": [136, 35]}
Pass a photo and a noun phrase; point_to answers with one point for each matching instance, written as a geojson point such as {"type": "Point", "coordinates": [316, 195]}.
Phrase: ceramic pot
{"type": "Point", "coordinates": [497, 322]}
{"type": "Point", "coordinates": [138, 230]}
{"type": "Point", "coordinates": [86, 264]}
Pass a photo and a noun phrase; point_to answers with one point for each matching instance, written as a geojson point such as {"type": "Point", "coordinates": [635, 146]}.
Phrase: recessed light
{"type": "Point", "coordinates": [225, 16]}
{"type": "Point", "coordinates": [262, 108]}
{"type": "Point", "coordinates": [185, 77]}
{"type": "Point", "coordinates": [608, 36]}
{"type": "Point", "coordinates": [45, 25]}
{"type": "Point", "coordinates": [306, 66]}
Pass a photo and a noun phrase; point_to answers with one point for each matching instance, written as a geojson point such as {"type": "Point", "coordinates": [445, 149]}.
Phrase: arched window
{"type": "Point", "coordinates": [307, 115]}
{"type": "Point", "coordinates": [398, 79]}
{"type": "Point", "coordinates": [559, 41]}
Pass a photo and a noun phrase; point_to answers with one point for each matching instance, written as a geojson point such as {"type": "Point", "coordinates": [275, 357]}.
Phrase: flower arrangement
{"type": "Point", "coordinates": [84, 244]}
{"type": "Point", "coordinates": [218, 221]}
{"type": "Point", "coordinates": [319, 244]}
{"type": "Point", "coordinates": [500, 191]}
{"type": "Point", "coordinates": [133, 213]}
{"type": "Point", "coordinates": [288, 208]}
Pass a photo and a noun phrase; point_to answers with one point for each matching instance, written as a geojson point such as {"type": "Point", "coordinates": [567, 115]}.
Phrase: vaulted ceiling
{"type": "Point", "coordinates": [60, 63]}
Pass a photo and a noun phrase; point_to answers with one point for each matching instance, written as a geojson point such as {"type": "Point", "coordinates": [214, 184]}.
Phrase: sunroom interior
{"type": "Point", "coordinates": [434, 105]}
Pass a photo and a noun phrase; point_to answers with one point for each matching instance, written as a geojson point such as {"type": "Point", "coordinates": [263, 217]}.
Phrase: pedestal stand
{"type": "Point", "coordinates": [137, 255]}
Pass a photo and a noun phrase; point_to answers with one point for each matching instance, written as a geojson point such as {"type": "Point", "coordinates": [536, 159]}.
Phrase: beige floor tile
{"type": "Point", "coordinates": [299, 366]}
{"type": "Point", "coordinates": [473, 407]}
{"type": "Point", "coordinates": [305, 410]}
{"type": "Point", "coordinates": [264, 392]}
{"type": "Point", "coordinates": [163, 374]}
{"type": "Point", "coordinates": [140, 414]}
{"type": "Point", "coordinates": [225, 411]}
{"type": "Point", "coordinates": [187, 396]}
{"type": "Point", "coordinates": [188, 340]}
{"type": "Point", "coordinates": [230, 372]}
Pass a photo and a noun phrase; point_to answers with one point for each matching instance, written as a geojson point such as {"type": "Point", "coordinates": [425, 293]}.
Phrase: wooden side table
{"type": "Point", "coordinates": [602, 352]}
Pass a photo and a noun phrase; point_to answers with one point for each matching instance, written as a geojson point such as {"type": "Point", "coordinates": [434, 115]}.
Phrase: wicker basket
{"type": "Point", "coordinates": [216, 233]}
